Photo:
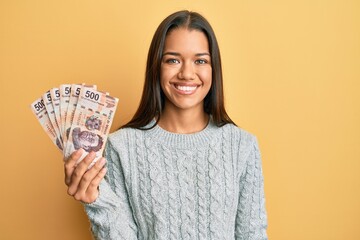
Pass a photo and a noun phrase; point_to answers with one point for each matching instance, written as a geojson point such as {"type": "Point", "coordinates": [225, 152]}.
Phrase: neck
{"type": "Point", "coordinates": [183, 121]}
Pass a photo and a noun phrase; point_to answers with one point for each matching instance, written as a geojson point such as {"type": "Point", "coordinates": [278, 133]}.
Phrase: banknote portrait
{"type": "Point", "coordinates": [92, 123]}
{"type": "Point", "coordinates": [86, 140]}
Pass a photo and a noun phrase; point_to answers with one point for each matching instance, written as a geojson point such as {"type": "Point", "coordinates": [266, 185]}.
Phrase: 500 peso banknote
{"type": "Point", "coordinates": [39, 110]}
{"type": "Point", "coordinates": [76, 116]}
{"type": "Point", "coordinates": [91, 122]}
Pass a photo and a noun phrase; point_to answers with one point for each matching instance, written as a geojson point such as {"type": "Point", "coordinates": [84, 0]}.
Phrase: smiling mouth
{"type": "Point", "coordinates": [187, 89]}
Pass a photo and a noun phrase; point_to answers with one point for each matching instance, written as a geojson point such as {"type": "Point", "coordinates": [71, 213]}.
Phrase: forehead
{"type": "Point", "coordinates": [182, 39]}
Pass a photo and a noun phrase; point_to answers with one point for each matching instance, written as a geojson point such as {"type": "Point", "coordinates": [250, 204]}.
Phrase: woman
{"type": "Point", "coordinates": [180, 169]}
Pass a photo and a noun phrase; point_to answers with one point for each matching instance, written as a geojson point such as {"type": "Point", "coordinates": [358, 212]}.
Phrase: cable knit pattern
{"type": "Point", "coordinates": [228, 178]}
{"type": "Point", "coordinates": [202, 195]}
{"type": "Point", "coordinates": [143, 178]}
{"type": "Point", "coordinates": [216, 188]}
{"type": "Point", "coordinates": [187, 210]}
{"type": "Point", "coordinates": [162, 185]}
{"type": "Point", "coordinates": [173, 206]}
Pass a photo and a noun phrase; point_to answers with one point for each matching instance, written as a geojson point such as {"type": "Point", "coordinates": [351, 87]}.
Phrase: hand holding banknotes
{"type": "Point", "coordinates": [77, 118]}
{"type": "Point", "coordinates": [83, 182]}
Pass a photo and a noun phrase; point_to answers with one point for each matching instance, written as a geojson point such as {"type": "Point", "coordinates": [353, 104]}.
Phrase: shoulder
{"type": "Point", "coordinates": [121, 138]}
{"type": "Point", "coordinates": [244, 146]}
{"type": "Point", "coordinates": [244, 137]}
{"type": "Point", "coordinates": [242, 142]}
{"type": "Point", "coordinates": [123, 133]}
{"type": "Point", "coordinates": [120, 134]}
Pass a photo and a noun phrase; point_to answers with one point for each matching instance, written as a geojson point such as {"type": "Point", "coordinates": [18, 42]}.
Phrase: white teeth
{"type": "Point", "coordinates": [185, 88]}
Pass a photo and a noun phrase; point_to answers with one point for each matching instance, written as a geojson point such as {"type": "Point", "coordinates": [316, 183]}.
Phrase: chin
{"type": "Point", "coordinates": [188, 106]}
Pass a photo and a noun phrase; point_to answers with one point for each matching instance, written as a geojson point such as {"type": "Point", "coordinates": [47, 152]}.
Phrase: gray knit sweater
{"type": "Point", "coordinates": [162, 185]}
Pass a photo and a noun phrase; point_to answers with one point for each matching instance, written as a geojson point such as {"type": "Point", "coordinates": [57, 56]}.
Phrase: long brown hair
{"type": "Point", "coordinates": [153, 99]}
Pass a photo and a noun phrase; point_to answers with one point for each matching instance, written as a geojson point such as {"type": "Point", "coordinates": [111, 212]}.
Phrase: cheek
{"type": "Point", "coordinates": [206, 76]}
{"type": "Point", "coordinates": [163, 74]}
{"type": "Point", "coordinates": [162, 83]}
{"type": "Point", "coordinates": [166, 74]}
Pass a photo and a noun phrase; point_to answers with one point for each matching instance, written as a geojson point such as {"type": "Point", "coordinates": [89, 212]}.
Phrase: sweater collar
{"type": "Point", "coordinates": [179, 140]}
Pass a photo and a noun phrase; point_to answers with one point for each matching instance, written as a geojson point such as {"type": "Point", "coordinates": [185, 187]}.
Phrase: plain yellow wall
{"type": "Point", "coordinates": [292, 72]}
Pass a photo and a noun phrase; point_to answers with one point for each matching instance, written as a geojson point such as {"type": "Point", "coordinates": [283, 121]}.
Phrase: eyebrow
{"type": "Point", "coordinates": [178, 54]}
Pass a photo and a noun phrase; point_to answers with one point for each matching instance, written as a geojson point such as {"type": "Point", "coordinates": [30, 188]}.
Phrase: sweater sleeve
{"type": "Point", "coordinates": [251, 219]}
{"type": "Point", "coordinates": [111, 215]}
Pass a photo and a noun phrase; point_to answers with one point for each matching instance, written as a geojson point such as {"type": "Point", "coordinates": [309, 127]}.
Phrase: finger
{"type": "Point", "coordinates": [93, 189]}
{"type": "Point", "coordinates": [90, 175]}
{"type": "Point", "coordinates": [92, 192]}
{"type": "Point", "coordinates": [70, 164]}
{"type": "Point", "coordinates": [78, 173]}
{"type": "Point", "coordinates": [96, 182]}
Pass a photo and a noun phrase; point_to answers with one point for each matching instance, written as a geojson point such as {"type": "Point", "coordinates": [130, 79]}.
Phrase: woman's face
{"type": "Point", "coordinates": [186, 73]}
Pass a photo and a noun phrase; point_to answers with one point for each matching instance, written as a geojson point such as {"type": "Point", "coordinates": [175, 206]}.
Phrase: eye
{"type": "Point", "coordinates": [172, 61]}
{"type": "Point", "coordinates": [201, 61]}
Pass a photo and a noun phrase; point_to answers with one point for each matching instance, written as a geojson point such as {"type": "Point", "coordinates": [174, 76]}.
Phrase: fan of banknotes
{"type": "Point", "coordinates": [76, 116]}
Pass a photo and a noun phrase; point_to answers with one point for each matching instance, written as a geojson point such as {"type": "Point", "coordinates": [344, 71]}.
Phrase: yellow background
{"type": "Point", "coordinates": [292, 72]}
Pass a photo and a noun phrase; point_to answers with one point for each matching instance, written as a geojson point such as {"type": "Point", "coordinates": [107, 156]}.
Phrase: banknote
{"type": "Point", "coordinates": [74, 96]}
{"type": "Point", "coordinates": [55, 97]}
{"type": "Point", "coordinates": [73, 99]}
{"type": "Point", "coordinates": [76, 116]}
{"type": "Point", "coordinates": [91, 122]}
{"type": "Point", "coordinates": [51, 113]}
{"type": "Point", "coordinates": [39, 110]}
{"type": "Point", "coordinates": [65, 91]}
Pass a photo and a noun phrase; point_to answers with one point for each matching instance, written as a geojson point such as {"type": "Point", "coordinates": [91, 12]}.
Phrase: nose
{"type": "Point", "coordinates": [186, 72]}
